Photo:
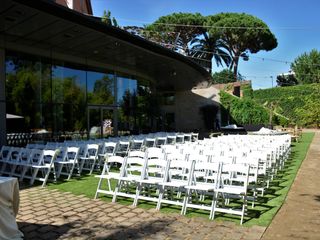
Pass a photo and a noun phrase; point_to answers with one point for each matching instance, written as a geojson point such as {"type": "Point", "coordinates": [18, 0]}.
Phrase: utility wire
{"type": "Point", "coordinates": [203, 51]}
{"type": "Point", "coordinates": [215, 27]}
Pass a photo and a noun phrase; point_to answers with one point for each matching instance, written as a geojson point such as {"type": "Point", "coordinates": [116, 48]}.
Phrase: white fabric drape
{"type": "Point", "coordinates": [9, 207]}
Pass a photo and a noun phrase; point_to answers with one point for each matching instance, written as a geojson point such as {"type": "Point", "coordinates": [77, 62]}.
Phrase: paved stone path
{"type": "Point", "coordinates": [299, 217]}
{"type": "Point", "coordinates": [51, 214]}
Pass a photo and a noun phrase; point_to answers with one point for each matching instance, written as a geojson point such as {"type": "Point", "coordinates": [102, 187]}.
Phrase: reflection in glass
{"type": "Point", "coordinates": [69, 99]}
{"type": "Point", "coordinates": [139, 106]}
{"type": "Point", "coordinates": [100, 88]}
{"type": "Point", "coordinates": [55, 97]}
{"type": "Point", "coordinates": [24, 79]}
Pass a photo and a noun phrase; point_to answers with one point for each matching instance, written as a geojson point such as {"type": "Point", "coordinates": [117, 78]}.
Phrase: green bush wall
{"type": "Point", "coordinates": [243, 111]}
{"type": "Point", "coordinates": [290, 100]}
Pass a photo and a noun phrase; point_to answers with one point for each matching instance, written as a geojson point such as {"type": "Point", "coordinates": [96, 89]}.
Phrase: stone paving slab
{"type": "Point", "coordinates": [51, 214]}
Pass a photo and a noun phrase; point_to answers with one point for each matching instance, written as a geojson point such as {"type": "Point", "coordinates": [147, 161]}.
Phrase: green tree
{"type": "Point", "coordinates": [307, 67]}
{"type": "Point", "coordinates": [176, 29]}
{"type": "Point", "coordinates": [186, 32]}
{"type": "Point", "coordinates": [205, 48]}
{"type": "Point", "coordinates": [240, 34]}
{"type": "Point", "coordinates": [224, 76]}
{"type": "Point", "coordinates": [286, 80]}
{"type": "Point", "coordinates": [102, 91]}
{"type": "Point", "coordinates": [106, 18]}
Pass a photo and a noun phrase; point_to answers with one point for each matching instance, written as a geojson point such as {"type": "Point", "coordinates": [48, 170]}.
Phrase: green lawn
{"type": "Point", "coordinates": [262, 214]}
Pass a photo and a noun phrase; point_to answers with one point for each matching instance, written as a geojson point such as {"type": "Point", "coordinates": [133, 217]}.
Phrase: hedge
{"type": "Point", "coordinates": [290, 100]}
{"type": "Point", "coordinates": [243, 110]}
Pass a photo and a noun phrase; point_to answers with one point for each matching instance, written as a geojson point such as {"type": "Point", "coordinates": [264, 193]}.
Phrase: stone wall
{"type": "Point", "coordinates": [186, 108]}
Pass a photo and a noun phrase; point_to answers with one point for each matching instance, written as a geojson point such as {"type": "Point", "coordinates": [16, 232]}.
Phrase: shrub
{"type": "Point", "coordinates": [244, 111]}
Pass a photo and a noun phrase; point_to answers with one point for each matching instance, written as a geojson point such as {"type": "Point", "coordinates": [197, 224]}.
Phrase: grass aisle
{"type": "Point", "coordinates": [262, 214]}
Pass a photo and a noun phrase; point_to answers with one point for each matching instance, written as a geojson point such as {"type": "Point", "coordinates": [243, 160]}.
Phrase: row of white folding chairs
{"type": "Point", "coordinates": [26, 163]}
{"type": "Point", "coordinates": [81, 157]}
{"type": "Point", "coordinates": [270, 158]}
{"type": "Point", "coordinates": [158, 175]}
{"type": "Point", "coordinates": [89, 154]}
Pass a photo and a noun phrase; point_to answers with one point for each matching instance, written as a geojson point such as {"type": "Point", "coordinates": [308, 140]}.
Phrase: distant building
{"type": "Point", "coordinates": [82, 6]}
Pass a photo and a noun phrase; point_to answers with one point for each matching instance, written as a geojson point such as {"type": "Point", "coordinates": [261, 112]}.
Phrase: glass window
{"type": "Point", "coordinates": [68, 85]}
{"type": "Point", "coordinates": [23, 89]}
{"type": "Point", "coordinates": [168, 98]}
{"type": "Point", "coordinates": [127, 98]}
{"type": "Point", "coordinates": [68, 98]}
{"type": "Point", "coordinates": [100, 88]}
{"type": "Point", "coordinates": [125, 86]}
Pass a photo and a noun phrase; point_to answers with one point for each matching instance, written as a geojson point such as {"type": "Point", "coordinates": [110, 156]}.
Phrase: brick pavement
{"type": "Point", "coordinates": [51, 214]}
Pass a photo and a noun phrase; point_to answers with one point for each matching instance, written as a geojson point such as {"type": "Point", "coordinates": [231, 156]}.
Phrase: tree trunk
{"type": "Point", "coordinates": [235, 67]}
{"type": "Point", "coordinates": [209, 63]}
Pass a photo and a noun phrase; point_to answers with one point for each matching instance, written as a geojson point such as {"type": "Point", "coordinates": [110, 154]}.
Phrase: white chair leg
{"type": "Point", "coordinates": [93, 165]}
{"type": "Point", "coordinates": [46, 177]}
{"type": "Point", "coordinates": [98, 188]}
{"type": "Point", "coordinates": [214, 204]}
{"type": "Point", "coordinates": [160, 198]}
{"type": "Point", "coordinates": [34, 175]}
{"type": "Point", "coordinates": [138, 191]}
{"type": "Point", "coordinates": [71, 171]}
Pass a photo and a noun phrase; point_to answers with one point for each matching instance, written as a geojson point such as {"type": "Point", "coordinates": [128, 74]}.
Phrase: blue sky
{"type": "Point", "coordinates": [295, 23]}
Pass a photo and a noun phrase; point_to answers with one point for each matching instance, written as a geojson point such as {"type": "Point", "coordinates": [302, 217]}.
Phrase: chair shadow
{"type": "Point", "coordinates": [94, 231]}
{"type": "Point", "coordinates": [138, 231]}
{"type": "Point", "coordinates": [37, 231]}
{"type": "Point", "coordinates": [63, 179]}
{"type": "Point", "coordinates": [118, 231]}
{"type": "Point", "coordinates": [317, 197]}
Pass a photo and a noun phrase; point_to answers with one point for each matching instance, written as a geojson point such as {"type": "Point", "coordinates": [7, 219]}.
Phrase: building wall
{"type": "Point", "coordinates": [231, 87]}
{"type": "Point", "coordinates": [187, 108]}
{"type": "Point", "coordinates": [82, 6]}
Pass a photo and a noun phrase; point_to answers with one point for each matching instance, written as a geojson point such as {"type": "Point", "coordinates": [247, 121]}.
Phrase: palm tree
{"type": "Point", "coordinates": [205, 48]}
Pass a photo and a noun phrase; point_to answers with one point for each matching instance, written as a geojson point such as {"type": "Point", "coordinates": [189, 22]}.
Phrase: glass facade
{"type": "Point", "coordinates": [67, 99]}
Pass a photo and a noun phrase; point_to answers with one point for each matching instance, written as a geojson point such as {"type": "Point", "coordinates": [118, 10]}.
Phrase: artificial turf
{"type": "Point", "coordinates": [262, 214]}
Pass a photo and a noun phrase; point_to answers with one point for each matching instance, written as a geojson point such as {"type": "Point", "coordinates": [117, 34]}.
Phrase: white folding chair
{"type": "Point", "coordinates": [171, 139]}
{"type": "Point", "coordinates": [67, 161]}
{"type": "Point", "coordinates": [43, 161]}
{"type": "Point", "coordinates": [133, 170]}
{"type": "Point", "coordinates": [160, 141]}
{"type": "Point", "coordinates": [150, 142]}
{"type": "Point", "coordinates": [5, 154]}
{"type": "Point", "coordinates": [108, 175]}
{"type": "Point", "coordinates": [200, 187]}
{"type": "Point", "coordinates": [87, 162]}
{"type": "Point", "coordinates": [153, 174]}
{"type": "Point", "coordinates": [174, 182]}
{"type": "Point", "coordinates": [136, 144]}
{"type": "Point", "coordinates": [122, 148]}
{"type": "Point", "coordinates": [14, 161]}
{"type": "Point", "coordinates": [233, 186]}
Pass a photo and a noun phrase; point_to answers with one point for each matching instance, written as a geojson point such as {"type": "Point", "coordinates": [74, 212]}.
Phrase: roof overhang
{"type": "Point", "coordinates": [45, 28]}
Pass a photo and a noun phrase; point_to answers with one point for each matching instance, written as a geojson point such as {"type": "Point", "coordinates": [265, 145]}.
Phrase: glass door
{"type": "Point", "coordinates": [100, 122]}
{"type": "Point", "coordinates": [107, 122]}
